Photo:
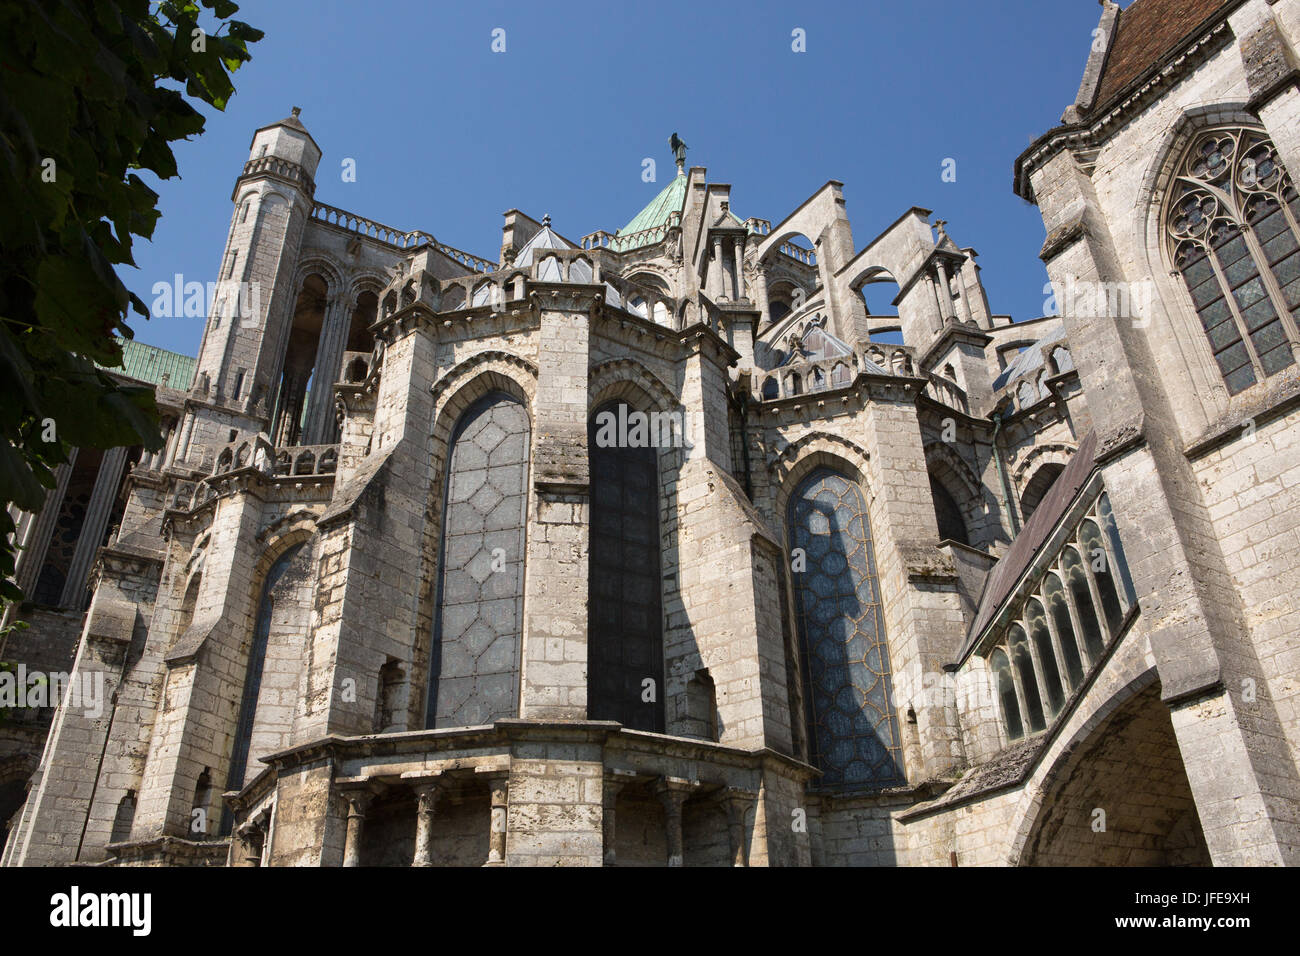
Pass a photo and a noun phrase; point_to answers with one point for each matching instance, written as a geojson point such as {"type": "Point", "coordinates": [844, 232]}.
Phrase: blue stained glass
{"type": "Point", "coordinates": [853, 728]}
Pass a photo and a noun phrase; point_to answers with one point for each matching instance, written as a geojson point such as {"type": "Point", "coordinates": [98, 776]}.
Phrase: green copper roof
{"type": "Point", "coordinates": [653, 216]}
{"type": "Point", "coordinates": [154, 366]}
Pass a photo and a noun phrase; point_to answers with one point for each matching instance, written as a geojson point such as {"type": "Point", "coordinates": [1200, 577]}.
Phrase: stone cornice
{"type": "Point", "coordinates": [953, 332]}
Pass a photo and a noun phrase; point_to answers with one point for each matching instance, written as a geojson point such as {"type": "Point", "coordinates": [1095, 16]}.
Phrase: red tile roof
{"type": "Point", "coordinates": [1148, 29]}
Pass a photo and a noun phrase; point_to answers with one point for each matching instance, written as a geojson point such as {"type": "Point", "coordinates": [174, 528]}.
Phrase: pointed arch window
{"type": "Point", "coordinates": [475, 651]}
{"type": "Point", "coordinates": [852, 726]}
{"type": "Point", "coordinates": [624, 609]}
{"type": "Point", "coordinates": [275, 590]}
{"type": "Point", "coordinates": [1233, 232]}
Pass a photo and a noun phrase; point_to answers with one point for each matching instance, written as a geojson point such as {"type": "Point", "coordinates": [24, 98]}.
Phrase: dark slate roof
{"type": "Point", "coordinates": [1147, 30]}
{"type": "Point", "coordinates": [1024, 549]}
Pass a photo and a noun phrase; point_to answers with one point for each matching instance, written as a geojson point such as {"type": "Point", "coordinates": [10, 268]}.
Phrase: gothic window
{"type": "Point", "coordinates": [1233, 230]}
{"type": "Point", "coordinates": [952, 527]}
{"type": "Point", "coordinates": [123, 819]}
{"type": "Point", "coordinates": [262, 625]}
{"type": "Point", "coordinates": [1076, 607]}
{"type": "Point", "coordinates": [474, 659]}
{"type": "Point", "coordinates": [1058, 608]}
{"type": "Point", "coordinates": [852, 727]}
{"type": "Point", "coordinates": [1006, 685]}
{"type": "Point", "coordinates": [1036, 622]}
{"type": "Point", "coordinates": [1038, 487]}
{"type": "Point", "coordinates": [1077, 581]}
{"type": "Point", "coordinates": [624, 617]}
{"type": "Point", "coordinates": [1018, 646]}
{"type": "Point", "coordinates": [1090, 538]}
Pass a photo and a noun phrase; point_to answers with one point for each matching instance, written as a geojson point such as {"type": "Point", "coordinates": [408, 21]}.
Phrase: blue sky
{"type": "Point", "coordinates": [447, 134]}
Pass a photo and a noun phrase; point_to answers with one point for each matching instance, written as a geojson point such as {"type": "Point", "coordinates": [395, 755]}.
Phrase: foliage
{"type": "Point", "coordinates": [83, 105]}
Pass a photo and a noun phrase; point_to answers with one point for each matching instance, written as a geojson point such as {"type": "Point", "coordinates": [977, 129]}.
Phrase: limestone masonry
{"type": "Point", "coordinates": [659, 546]}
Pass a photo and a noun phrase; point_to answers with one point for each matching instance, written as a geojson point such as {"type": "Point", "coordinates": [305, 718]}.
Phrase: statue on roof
{"type": "Point", "coordinates": [679, 151]}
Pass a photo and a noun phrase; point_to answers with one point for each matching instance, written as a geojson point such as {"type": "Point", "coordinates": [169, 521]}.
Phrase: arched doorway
{"type": "Point", "coordinates": [1121, 798]}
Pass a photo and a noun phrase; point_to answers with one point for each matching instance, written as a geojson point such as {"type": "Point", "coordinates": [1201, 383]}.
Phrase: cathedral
{"type": "Point", "coordinates": [672, 546]}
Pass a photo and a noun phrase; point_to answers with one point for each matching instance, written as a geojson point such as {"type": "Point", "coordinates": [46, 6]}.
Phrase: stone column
{"type": "Point", "coordinates": [936, 322]}
{"type": "Point", "coordinates": [963, 300]}
{"type": "Point", "coordinates": [500, 787]}
{"type": "Point", "coordinates": [329, 359]}
{"type": "Point", "coordinates": [760, 292]}
{"type": "Point", "coordinates": [738, 803]}
{"type": "Point", "coordinates": [253, 839]}
{"type": "Point", "coordinates": [738, 250]}
{"type": "Point", "coordinates": [37, 543]}
{"type": "Point", "coordinates": [612, 788]}
{"type": "Point", "coordinates": [555, 634]}
{"type": "Point", "coordinates": [945, 292]}
{"type": "Point", "coordinates": [672, 793]}
{"type": "Point", "coordinates": [426, 795]}
{"type": "Point", "coordinates": [93, 526]}
{"type": "Point", "coordinates": [358, 803]}
{"type": "Point", "coordinates": [717, 278]}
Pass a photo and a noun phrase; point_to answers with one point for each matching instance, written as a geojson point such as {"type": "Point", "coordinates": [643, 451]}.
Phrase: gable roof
{"type": "Point", "coordinates": [152, 365]}
{"type": "Point", "coordinates": [1147, 30]}
{"type": "Point", "coordinates": [546, 238]}
{"type": "Point", "coordinates": [1002, 580]}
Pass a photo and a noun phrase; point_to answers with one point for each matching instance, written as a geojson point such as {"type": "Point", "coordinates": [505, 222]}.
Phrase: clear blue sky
{"type": "Point", "coordinates": [447, 135]}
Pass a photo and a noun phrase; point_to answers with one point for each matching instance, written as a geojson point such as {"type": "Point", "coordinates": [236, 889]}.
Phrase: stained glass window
{"type": "Point", "coordinates": [624, 610]}
{"type": "Point", "coordinates": [474, 658]}
{"type": "Point", "coordinates": [272, 592]}
{"type": "Point", "coordinates": [1233, 226]}
{"type": "Point", "coordinates": [852, 727]}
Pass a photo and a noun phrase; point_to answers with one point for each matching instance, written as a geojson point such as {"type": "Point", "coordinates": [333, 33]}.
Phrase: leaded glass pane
{"type": "Point", "coordinates": [852, 725]}
{"type": "Point", "coordinates": [277, 610]}
{"type": "Point", "coordinates": [1240, 379]}
{"type": "Point", "coordinates": [474, 656]}
{"type": "Point", "coordinates": [625, 617]}
{"type": "Point", "coordinates": [1230, 177]}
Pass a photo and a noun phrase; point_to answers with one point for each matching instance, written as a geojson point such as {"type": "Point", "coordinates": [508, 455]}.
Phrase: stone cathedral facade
{"type": "Point", "coordinates": [662, 546]}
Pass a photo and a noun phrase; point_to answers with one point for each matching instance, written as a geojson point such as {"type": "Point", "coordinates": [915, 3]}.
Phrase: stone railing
{"type": "Point", "coordinates": [360, 225]}
{"type": "Point", "coordinates": [805, 378]}
{"type": "Point", "coordinates": [798, 253]}
{"type": "Point", "coordinates": [279, 167]}
{"type": "Point", "coordinates": [947, 393]}
{"type": "Point", "coordinates": [635, 240]}
{"type": "Point", "coordinates": [759, 227]}
{"type": "Point", "coordinates": [295, 460]}
{"type": "Point", "coordinates": [596, 240]}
